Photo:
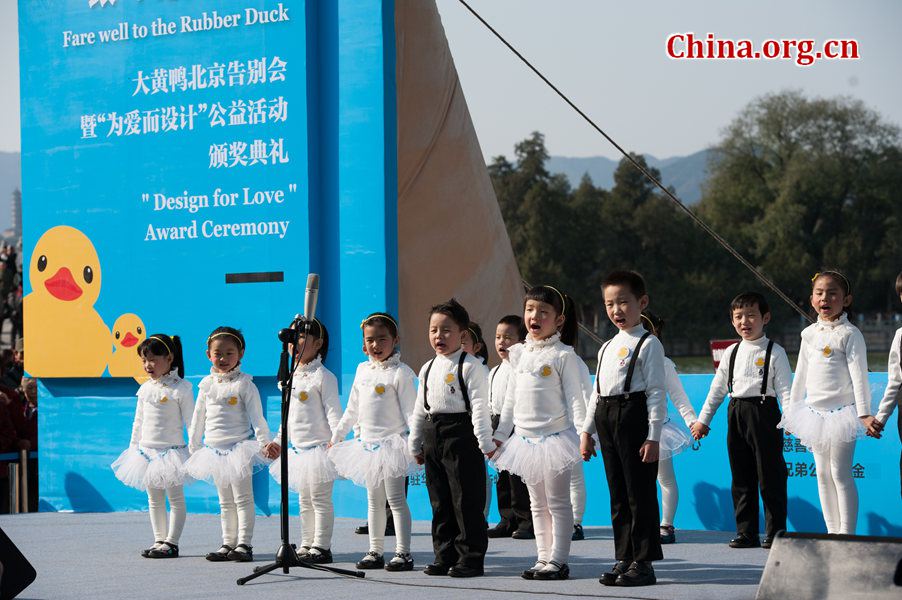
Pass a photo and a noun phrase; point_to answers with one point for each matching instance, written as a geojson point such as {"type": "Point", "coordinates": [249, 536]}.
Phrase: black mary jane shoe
{"type": "Point", "coordinates": [610, 578]}
{"type": "Point", "coordinates": [318, 556]}
{"type": "Point", "coordinates": [465, 571]}
{"type": "Point", "coordinates": [530, 573]}
{"type": "Point", "coordinates": [744, 540]}
{"type": "Point", "coordinates": [146, 551]}
{"type": "Point", "coordinates": [578, 533]}
{"type": "Point", "coordinates": [668, 534]}
{"type": "Point", "coordinates": [640, 573]}
{"type": "Point", "coordinates": [562, 572]}
{"type": "Point", "coordinates": [400, 562]}
{"type": "Point", "coordinates": [435, 569]}
{"type": "Point", "coordinates": [166, 550]}
{"type": "Point", "coordinates": [238, 556]}
{"type": "Point", "coordinates": [371, 560]}
{"type": "Point", "coordinates": [220, 555]}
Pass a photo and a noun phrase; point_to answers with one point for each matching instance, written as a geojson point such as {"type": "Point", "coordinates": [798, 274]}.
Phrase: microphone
{"type": "Point", "coordinates": [310, 296]}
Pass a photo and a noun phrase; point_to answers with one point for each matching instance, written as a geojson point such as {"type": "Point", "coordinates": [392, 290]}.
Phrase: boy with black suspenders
{"type": "Point", "coordinates": [754, 372]}
{"type": "Point", "coordinates": [628, 412]}
{"type": "Point", "coordinates": [449, 432]}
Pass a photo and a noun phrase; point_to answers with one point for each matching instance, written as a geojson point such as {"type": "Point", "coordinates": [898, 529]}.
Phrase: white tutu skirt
{"type": "Point", "coordinates": [818, 429]}
{"type": "Point", "coordinates": [369, 463]}
{"type": "Point", "coordinates": [674, 439]}
{"type": "Point", "coordinates": [157, 468]}
{"type": "Point", "coordinates": [306, 467]}
{"type": "Point", "coordinates": [533, 457]}
{"type": "Point", "coordinates": [226, 465]}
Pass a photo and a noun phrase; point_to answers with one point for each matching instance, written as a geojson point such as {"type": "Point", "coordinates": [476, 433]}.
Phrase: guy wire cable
{"type": "Point", "coordinates": [701, 224]}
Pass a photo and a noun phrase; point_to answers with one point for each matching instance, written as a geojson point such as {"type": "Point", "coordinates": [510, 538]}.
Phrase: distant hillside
{"type": "Point", "coordinates": [684, 173]}
{"type": "Point", "coordinates": [10, 179]}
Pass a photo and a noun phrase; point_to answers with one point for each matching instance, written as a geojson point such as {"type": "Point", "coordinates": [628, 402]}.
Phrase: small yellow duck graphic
{"type": "Point", "coordinates": [128, 333]}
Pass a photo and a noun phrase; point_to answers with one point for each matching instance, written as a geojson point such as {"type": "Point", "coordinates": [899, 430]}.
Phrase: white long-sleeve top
{"type": "Point", "coordinates": [498, 379]}
{"type": "Point", "coordinates": [747, 374]}
{"type": "Point", "coordinates": [677, 394]}
{"type": "Point", "coordinates": [164, 409]}
{"type": "Point", "coordinates": [832, 370]}
{"type": "Point", "coordinates": [381, 400]}
{"type": "Point", "coordinates": [891, 396]}
{"type": "Point", "coordinates": [546, 393]}
{"type": "Point", "coordinates": [648, 376]}
{"type": "Point", "coordinates": [445, 397]}
{"type": "Point", "coordinates": [315, 409]}
{"type": "Point", "coordinates": [228, 411]}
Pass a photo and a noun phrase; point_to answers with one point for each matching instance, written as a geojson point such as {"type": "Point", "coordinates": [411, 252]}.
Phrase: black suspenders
{"type": "Point", "coordinates": [460, 378]}
{"type": "Point", "coordinates": [629, 371]}
{"type": "Point", "coordinates": [767, 353]}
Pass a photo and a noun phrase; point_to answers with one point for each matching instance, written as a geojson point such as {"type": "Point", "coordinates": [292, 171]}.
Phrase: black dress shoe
{"type": "Point", "coordinates": [435, 569]}
{"type": "Point", "coordinates": [220, 555]}
{"type": "Point", "coordinates": [247, 555]}
{"type": "Point", "coordinates": [318, 556]}
{"type": "Point", "coordinates": [371, 560]}
{"type": "Point", "coordinates": [639, 573]}
{"type": "Point", "coordinates": [146, 551]}
{"type": "Point", "coordinates": [400, 562]}
{"type": "Point", "coordinates": [363, 529]}
{"type": "Point", "coordinates": [501, 530]}
{"type": "Point", "coordinates": [616, 571]}
{"type": "Point", "coordinates": [523, 533]}
{"type": "Point", "coordinates": [562, 572]}
{"type": "Point", "coordinates": [465, 571]}
{"type": "Point", "coordinates": [668, 534]}
{"type": "Point", "coordinates": [166, 550]}
{"type": "Point", "coordinates": [578, 533]}
{"type": "Point", "coordinates": [768, 542]}
{"type": "Point", "coordinates": [531, 571]}
{"type": "Point", "coordinates": [744, 540]}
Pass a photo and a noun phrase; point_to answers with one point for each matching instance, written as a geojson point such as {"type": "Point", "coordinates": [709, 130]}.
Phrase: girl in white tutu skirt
{"type": "Point", "coordinates": [228, 419]}
{"type": "Point", "coordinates": [380, 405]}
{"type": "Point", "coordinates": [314, 412]}
{"type": "Point", "coordinates": [830, 396]}
{"type": "Point", "coordinates": [544, 400]}
{"type": "Point", "coordinates": [154, 459]}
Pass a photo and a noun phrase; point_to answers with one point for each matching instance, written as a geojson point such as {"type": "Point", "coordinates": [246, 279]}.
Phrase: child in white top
{"type": "Point", "coordinates": [313, 414]}
{"type": "Point", "coordinates": [830, 398]}
{"type": "Point", "coordinates": [674, 439]}
{"type": "Point", "coordinates": [228, 411]}
{"type": "Point", "coordinates": [891, 397]}
{"type": "Point", "coordinates": [157, 451]}
{"type": "Point", "coordinates": [544, 401]}
{"type": "Point", "coordinates": [380, 405]}
{"type": "Point", "coordinates": [474, 345]}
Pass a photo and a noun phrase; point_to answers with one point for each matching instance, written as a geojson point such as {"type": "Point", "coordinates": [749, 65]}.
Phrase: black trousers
{"type": "Point", "coordinates": [755, 448]}
{"type": "Point", "coordinates": [622, 429]}
{"type": "Point", "coordinates": [513, 496]}
{"type": "Point", "coordinates": [455, 479]}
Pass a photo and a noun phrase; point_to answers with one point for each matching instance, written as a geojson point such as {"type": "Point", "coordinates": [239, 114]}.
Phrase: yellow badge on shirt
{"type": "Point", "coordinates": [623, 352]}
{"type": "Point", "coordinates": [380, 389]}
{"type": "Point", "coordinates": [303, 396]}
{"type": "Point", "coordinates": [759, 362]}
{"type": "Point", "coordinates": [449, 378]}
{"type": "Point", "coordinates": [164, 400]}
{"type": "Point", "coordinates": [827, 351]}
{"type": "Point", "coordinates": [546, 371]}
{"type": "Point", "coordinates": [233, 400]}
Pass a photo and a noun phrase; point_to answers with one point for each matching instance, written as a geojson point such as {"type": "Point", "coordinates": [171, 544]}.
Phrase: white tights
{"type": "Point", "coordinates": [836, 488]}
{"type": "Point", "coordinates": [156, 506]}
{"type": "Point", "coordinates": [552, 516]}
{"type": "Point", "coordinates": [670, 494]}
{"type": "Point", "coordinates": [578, 493]}
{"type": "Point", "coordinates": [236, 511]}
{"type": "Point", "coordinates": [317, 515]}
{"type": "Point", "coordinates": [391, 490]}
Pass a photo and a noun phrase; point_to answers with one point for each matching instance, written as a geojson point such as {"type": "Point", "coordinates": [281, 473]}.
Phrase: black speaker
{"type": "Point", "coordinates": [813, 566]}
{"type": "Point", "coordinates": [16, 573]}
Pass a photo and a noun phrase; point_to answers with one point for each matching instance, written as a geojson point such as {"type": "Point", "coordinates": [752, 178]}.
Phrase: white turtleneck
{"type": "Point", "coordinates": [891, 396]}
{"type": "Point", "coordinates": [164, 409]}
{"type": "Point", "coordinates": [832, 370]}
{"type": "Point", "coordinates": [748, 371]}
{"type": "Point", "coordinates": [315, 409]}
{"type": "Point", "coordinates": [445, 397]}
{"type": "Point", "coordinates": [648, 377]}
{"type": "Point", "coordinates": [228, 411]}
{"type": "Point", "coordinates": [545, 393]}
{"type": "Point", "coordinates": [380, 402]}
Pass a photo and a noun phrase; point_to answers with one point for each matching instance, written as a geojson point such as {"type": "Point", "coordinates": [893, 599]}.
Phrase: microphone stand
{"type": "Point", "coordinates": [286, 557]}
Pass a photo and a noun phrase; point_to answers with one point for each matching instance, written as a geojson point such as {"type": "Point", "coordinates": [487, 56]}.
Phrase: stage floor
{"type": "Point", "coordinates": [97, 555]}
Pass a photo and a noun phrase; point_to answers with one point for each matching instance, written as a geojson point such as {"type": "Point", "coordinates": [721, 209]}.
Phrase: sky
{"type": "Point", "coordinates": [610, 58]}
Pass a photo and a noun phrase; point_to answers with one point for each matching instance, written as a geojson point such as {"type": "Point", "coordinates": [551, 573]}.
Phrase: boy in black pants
{"type": "Point", "coordinates": [754, 373]}
{"type": "Point", "coordinates": [450, 430]}
{"type": "Point", "coordinates": [628, 412]}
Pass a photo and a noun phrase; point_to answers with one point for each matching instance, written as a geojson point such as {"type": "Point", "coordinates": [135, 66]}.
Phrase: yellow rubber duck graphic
{"type": "Point", "coordinates": [128, 332]}
{"type": "Point", "coordinates": [66, 337]}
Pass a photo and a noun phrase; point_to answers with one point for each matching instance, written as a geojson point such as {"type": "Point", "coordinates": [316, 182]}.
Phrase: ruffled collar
{"type": "Point", "coordinates": [226, 377]}
{"type": "Point", "coordinates": [389, 363]}
{"type": "Point", "coordinates": [311, 366]}
{"type": "Point", "coordinates": [169, 380]}
{"type": "Point", "coordinates": [533, 345]}
{"type": "Point", "coordinates": [830, 325]}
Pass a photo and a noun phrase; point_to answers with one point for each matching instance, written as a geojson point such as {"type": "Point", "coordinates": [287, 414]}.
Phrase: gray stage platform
{"type": "Point", "coordinates": [97, 556]}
